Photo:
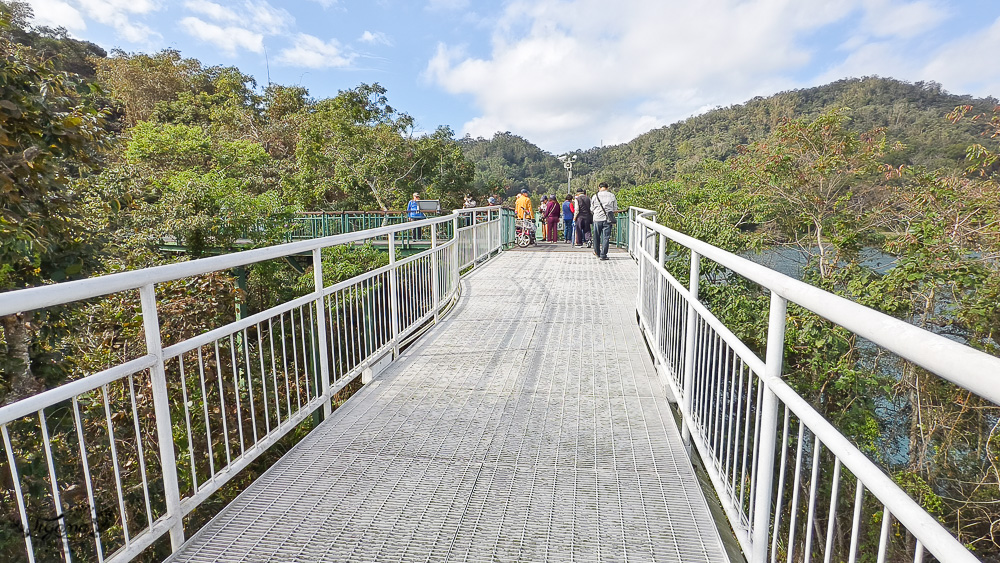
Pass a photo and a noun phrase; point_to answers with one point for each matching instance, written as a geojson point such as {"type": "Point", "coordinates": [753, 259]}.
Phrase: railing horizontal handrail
{"type": "Point", "coordinates": [67, 292]}
{"type": "Point", "coordinates": [67, 391]}
{"type": "Point", "coordinates": [962, 365]}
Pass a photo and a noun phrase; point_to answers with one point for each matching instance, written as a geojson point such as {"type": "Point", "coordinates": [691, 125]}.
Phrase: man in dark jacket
{"type": "Point", "coordinates": [582, 218]}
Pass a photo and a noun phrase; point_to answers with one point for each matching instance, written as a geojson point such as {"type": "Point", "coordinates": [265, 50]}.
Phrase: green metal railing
{"type": "Point", "coordinates": [310, 225]}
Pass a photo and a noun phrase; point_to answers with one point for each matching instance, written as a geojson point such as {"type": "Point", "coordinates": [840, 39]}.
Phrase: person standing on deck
{"type": "Point", "coordinates": [469, 203]}
{"type": "Point", "coordinates": [567, 215]}
{"type": "Point", "coordinates": [603, 206]}
{"type": "Point", "coordinates": [583, 218]}
{"type": "Point", "coordinates": [523, 211]}
{"type": "Point", "coordinates": [414, 213]}
{"type": "Point", "coordinates": [551, 217]}
{"type": "Point", "coordinates": [541, 216]}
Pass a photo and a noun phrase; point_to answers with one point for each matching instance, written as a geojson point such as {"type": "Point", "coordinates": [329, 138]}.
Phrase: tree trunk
{"type": "Point", "coordinates": [20, 382]}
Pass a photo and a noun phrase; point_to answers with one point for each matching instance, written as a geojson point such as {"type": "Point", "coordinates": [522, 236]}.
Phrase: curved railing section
{"type": "Point", "coordinates": [748, 425]}
{"type": "Point", "coordinates": [104, 466]}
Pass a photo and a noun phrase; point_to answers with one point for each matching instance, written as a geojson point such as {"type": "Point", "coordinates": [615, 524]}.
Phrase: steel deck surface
{"type": "Point", "coordinates": [529, 425]}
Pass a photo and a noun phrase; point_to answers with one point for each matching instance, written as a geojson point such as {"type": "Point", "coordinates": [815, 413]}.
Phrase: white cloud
{"type": "Point", "coordinates": [888, 18]}
{"type": "Point", "coordinates": [960, 65]}
{"type": "Point", "coordinates": [312, 52]}
{"type": "Point", "coordinates": [237, 27]}
{"type": "Point", "coordinates": [229, 39]}
{"type": "Point", "coordinates": [266, 18]}
{"type": "Point", "coordinates": [569, 73]}
{"type": "Point", "coordinates": [119, 15]}
{"type": "Point", "coordinates": [375, 38]}
{"type": "Point", "coordinates": [556, 67]}
{"type": "Point", "coordinates": [213, 11]}
{"type": "Point", "coordinates": [55, 13]}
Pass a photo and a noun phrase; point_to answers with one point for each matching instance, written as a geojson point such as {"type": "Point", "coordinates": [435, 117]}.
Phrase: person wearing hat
{"type": "Point", "coordinates": [523, 211]}
{"type": "Point", "coordinates": [582, 218]}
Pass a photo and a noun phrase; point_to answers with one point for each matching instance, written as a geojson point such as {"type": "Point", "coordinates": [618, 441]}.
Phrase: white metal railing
{"type": "Point", "coordinates": [748, 424]}
{"type": "Point", "coordinates": [131, 451]}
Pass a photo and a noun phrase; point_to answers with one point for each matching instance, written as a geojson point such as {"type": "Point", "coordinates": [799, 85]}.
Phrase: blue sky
{"type": "Point", "coordinates": [570, 74]}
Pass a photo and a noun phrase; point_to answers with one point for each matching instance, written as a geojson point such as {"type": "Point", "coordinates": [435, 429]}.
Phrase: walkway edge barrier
{"type": "Point", "coordinates": [213, 403]}
{"type": "Point", "coordinates": [768, 453]}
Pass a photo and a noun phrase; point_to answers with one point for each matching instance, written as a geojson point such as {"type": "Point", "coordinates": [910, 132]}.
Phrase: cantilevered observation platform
{"type": "Point", "coordinates": [515, 415]}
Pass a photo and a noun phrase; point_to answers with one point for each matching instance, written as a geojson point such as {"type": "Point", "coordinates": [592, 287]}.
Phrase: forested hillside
{"type": "Point", "coordinates": [911, 114]}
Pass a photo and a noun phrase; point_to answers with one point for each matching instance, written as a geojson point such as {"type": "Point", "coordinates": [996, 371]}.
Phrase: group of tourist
{"type": "Point", "coordinates": [586, 220]}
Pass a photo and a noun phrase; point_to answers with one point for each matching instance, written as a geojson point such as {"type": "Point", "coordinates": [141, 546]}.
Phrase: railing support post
{"type": "Point", "coordinates": [393, 296]}
{"type": "Point", "coordinates": [662, 259]}
{"type": "Point", "coordinates": [499, 230]}
{"type": "Point", "coordinates": [457, 268]}
{"type": "Point", "coordinates": [642, 271]}
{"type": "Point", "coordinates": [435, 288]}
{"type": "Point", "coordinates": [323, 341]}
{"type": "Point", "coordinates": [763, 472]}
{"type": "Point", "coordinates": [161, 408]}
{"type": "Point", "coordinates": [689, 343]}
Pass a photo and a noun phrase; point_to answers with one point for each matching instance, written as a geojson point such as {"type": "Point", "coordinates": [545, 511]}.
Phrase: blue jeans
{"type": "Point", "coordinates": [567, 230]}
{"type": "Point", "coordinates": [602, 238]}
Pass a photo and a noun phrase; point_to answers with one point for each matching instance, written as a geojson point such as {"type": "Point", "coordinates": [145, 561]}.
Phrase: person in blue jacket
{"type": "Point", "coordinates": [415, 214]}
{"type": "Point", "coordinates": [567, 215]}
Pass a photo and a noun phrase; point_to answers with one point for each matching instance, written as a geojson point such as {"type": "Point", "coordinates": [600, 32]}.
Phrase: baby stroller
{"type": "Point", "coordinates": [524, 232]}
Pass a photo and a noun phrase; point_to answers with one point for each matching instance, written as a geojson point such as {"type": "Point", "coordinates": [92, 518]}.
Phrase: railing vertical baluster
{"type": "Point", "coordinates": [236, 387]}
{"type": "Point", "coordinates": [831, 518]}
{"type": "Point", "coordinates": [883, 540]}
{"type": "Point", "coordinates": [16, 480]}
{"type": "Point", "coordinates": [324, 349]}
{"type": "Point", "coordinates": [161, 409]}
{"type": "Point", "coordinates": [810, 518]}
{"type": "Point", "coordinates": [77, 419]}
{"type": "Point", "coordinates": [54, 484]}
{"type": "Point", "coordinates": [764, 466]}
{"type": "Point", "coordinates": [689, 341]}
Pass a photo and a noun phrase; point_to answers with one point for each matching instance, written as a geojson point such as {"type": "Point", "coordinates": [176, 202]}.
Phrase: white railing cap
{"type": "Point", "coordinates": [57, 294]}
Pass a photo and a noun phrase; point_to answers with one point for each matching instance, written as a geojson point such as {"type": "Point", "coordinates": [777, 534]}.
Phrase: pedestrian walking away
{"type": "Point", "coordinates": [567, 216]}
{"type": "Point", "coordinates": [583, 218]}
{"type": "Point", "coordinates": [604, 206]}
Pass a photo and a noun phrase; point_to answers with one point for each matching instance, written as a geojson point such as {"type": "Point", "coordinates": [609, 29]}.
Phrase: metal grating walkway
{"type": "Point", "coordinates": [527, 426]}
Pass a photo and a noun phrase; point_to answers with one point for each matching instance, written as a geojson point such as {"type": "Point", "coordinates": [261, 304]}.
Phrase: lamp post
{"type": "Point", "coordinates": [568, 161]}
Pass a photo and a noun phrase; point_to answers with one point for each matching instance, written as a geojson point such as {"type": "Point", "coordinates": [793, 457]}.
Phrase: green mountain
{"type": "Point", "coordinates": [913, 114]}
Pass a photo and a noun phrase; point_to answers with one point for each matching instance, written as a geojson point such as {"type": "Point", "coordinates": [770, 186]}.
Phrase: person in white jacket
{"type": "Point", "coordinates": [603, 205]}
